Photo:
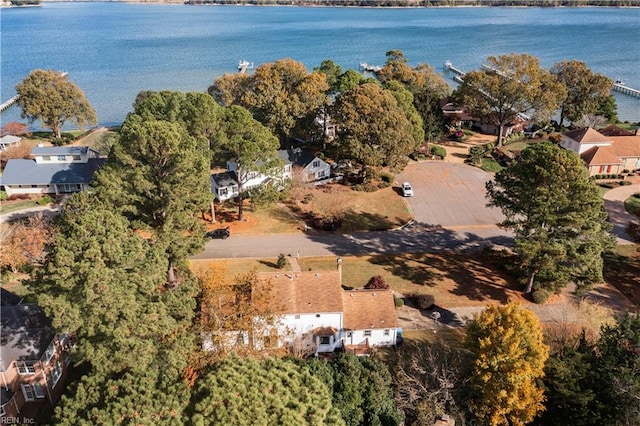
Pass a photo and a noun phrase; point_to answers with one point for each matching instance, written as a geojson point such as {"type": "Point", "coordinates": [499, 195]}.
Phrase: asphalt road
{"type": "Point", "coordinates": [414, 238]}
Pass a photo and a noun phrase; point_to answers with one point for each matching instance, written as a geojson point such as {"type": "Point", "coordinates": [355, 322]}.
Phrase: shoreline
{"type": "Point", "coordinates": [399, 4]}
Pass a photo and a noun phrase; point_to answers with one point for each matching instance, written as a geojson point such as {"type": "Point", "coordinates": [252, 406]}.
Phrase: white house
{"type": "Point", "coordinates": [320, 317]}
{"type": "Point", "coordinates": [52, 170]}
{"type": "Point", "coordinates": [226, 185]}
{"type": "Point", "coordinates": [9, 141]}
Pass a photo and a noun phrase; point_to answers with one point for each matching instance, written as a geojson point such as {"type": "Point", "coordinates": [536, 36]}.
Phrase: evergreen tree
{"type": "Point", "coordinates": [148, 397]}
{"type": "Point", "coordinates": [159, 177]}
{"type": "Point", "coordinates": [557, 214]}
{"type": "Point", "coordinates": [616, 373]}
{"type": "Point", "coordinates": [507, 357]}
{"type": "Point", "coordinates": [268, 392]}
{"type": "Point", "coordinates": [101, 282]}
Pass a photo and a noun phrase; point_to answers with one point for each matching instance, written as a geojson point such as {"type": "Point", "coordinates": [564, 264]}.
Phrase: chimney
{"type": "Point", "coordinates": [339, 266]}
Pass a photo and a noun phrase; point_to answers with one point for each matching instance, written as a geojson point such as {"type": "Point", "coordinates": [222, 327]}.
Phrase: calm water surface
{"type": "Point", "coordinates": [114, 50]}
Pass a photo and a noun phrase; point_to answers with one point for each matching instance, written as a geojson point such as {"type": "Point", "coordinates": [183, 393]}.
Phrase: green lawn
{"type": "Point", "coordinates": [632, 204]}
{"type": "Point", "coordinates": [9, 207]}
{"type": "Point", "coordinates": [490, 165]}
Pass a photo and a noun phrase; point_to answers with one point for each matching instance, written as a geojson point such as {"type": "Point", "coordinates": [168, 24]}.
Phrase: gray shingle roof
{"type": "Point", "coordinates": [26, 333]}
{"type": "Point", "coordinates": [225, 179]}
{"type": "Point", "coordinates": [296, 156]}
{"type": "Point", "coordinates": [59, 150]}
{"type": "Point", "coordinates": [28, 172]}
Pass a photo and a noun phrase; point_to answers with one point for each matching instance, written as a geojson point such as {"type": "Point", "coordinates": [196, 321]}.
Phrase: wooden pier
{"type": "Point", "coordinates": [458, 74]}
{"type": "Point", "coordinates": [9, 103]}
{"type": "Point", "coordinates": [625, 90]}
{"type": "Point", "coordinates": [243, 66]}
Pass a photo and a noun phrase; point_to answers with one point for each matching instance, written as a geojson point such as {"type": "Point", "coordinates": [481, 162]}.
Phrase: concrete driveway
{"type": "Point", "coordinates": [449, 194]}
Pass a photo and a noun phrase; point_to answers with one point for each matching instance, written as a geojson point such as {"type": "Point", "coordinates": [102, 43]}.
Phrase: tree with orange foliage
{"type": "Point", "coordinates": [14, 128]}
{"type": "Point", "coordinates": [236, 316]}
{"type": "Point", "coordinates": [24, 242]}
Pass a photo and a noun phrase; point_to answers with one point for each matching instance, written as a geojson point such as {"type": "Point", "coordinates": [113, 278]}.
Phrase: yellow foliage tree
{"type": "Point", "coordinates": [237, 315]}
{"type": "Point", "coordinates": [508, 358]}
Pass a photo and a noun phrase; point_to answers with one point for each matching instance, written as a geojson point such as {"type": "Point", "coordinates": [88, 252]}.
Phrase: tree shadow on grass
{"type": "Point", "coordinates": [442, 257]}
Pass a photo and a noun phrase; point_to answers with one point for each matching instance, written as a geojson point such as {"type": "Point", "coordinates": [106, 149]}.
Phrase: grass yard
{"type": "Point", "coordinates": [621, 269]}
{"type": "Point", "coordinates": [632, 204]}
{"type": "Point", "coordinates": [490, 165]}
{"type": "Point", "coordinates": [355, 210]}
{"type": "Point", "coordinates": [12, 206]}
{"type": "Point", "coordinates": [454, 279]}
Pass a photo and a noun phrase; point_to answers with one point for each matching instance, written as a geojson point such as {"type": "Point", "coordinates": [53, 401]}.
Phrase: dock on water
{"type": "Point", "coordinates": [243, 66]}
{"type": "Point", "coordinates": [626, 90]}
{"type": "Point", "coordinates": [458, 74]}
{"type": "Point", "coordinates": [9, 103]}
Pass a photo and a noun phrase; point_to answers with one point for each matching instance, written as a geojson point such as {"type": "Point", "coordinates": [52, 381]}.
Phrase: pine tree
{"type": "Point", "coordinates": [557, 215]}
{"type": "Point", "coordinates": [268, 392]}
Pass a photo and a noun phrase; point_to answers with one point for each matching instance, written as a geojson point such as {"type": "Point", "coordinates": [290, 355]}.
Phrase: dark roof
{"type": "Point", "coordinates": [614, 130]}
{"type": "Point", "coordinates": [300, 157]}
{"type": "Point", "coordinates": [28, 172]}
{"type": "Point", "coordinates": [225, 179]}
{"type": "Point", "coordinates": [26, 333]}
{"type": "Point", "coordinates": [8, 298]}
{"type": "Point", "coordinates": [59, 150]}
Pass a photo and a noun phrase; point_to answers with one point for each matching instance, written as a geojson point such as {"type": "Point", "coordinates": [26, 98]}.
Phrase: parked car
{"type": "Point", "coordinates": [407, 190]}
{"type": "Point", "coordinates": [223, 233]}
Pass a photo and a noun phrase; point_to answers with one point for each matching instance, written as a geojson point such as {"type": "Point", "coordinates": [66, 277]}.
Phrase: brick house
{"type": "Point", "coordinates": [34, 360]}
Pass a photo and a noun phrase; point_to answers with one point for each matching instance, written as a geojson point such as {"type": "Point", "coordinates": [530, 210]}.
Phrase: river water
{"type": "Point", "coordinates": [114, 50]}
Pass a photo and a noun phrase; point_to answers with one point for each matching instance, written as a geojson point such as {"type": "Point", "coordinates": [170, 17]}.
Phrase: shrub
{"type": "Point", "coordinates": [365, 187]}
{"type": "Point", "coordinates": [636, 195]}
{"type": "Point", "coordinates": [3, 196]}
{"type": "Point", "coordinates": [540, 296]}
{"type": "Point", "coordinates": [439, 151]}
{"type": "Point", "coordinates": [625, 182]}
{"type": "Point", "coordinates": [386, 177]}
{"type": "Point", "coordinates": [376, 282]}
{"type": "Point", "coordinates": [44, 200]}
{"type": "Point", "coordinates": [423, 301]}
{"type": "Point", "coordinates": [418, 156]}
{"type": "Point", "coordinates": [307, 198]}
{"type": "Point", "coordinates": [599, 176]}
{"type": "Point", "coordinates": [625, 171]}
{"type": "Point", "coordinates": [282, 261]}
{"type": "Point", "coordinates": [18, 197]}
{"type": "Point", "coordinates": [398, 302]}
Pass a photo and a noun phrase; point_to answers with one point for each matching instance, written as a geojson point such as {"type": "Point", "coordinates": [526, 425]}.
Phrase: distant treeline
{"type": "Point", "coordinates": [424, 3]}
{"type": "Point", "coordinates": [24, 2]}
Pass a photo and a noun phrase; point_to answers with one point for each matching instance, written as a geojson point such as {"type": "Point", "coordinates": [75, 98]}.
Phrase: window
{"type": "Point", "coordinates": [26, 367]}
{"type": "Point", "coordinates": [62, 157]}
{"type": "Point", "coordinates": [386, 332]}
{"type": "Point", "coordinates": [321, 174]}
{"type": "Point", "coordinates": [27, 392]}
{"type": "Point", "coordinates": [325, 340]}
{"type": "Point", "coordinates": [2, 411]}
{"type": "Point", "coordinates": [55, 374]}
{"type": "Point", "coordinates": [46, 158]}
{"type": "Point", "coordinates": [297, 317]}
{"type": "Point", "coordinates": [316, 163]}
{"type": "Point", "coordinates": [37, 389]}
{"type": "Point", "coordinates": [48, 354]}
{"type": "Point", "coordinates": [367, 333]}
{"type": "Point", "coordinates": [349, 334]}
{"type": "Point", "coordinates": [76, 157]}
{"type": "Point", "coordinates": [222, 192]}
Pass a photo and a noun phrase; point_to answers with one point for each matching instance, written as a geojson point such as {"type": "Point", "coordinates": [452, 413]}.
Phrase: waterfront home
{"type": "Point", "coordinates": [318, 317]}
{"type": "Point", "coordinates": [52, 170]}
{"type": "Point", "coordinates": [604, 154]}
{"type": "Point", "coordinates": [33, 360]}
{"type": "Point", "coordinates": [9, 141]}
{"type": "Point", "coordinates": [226, 185]}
